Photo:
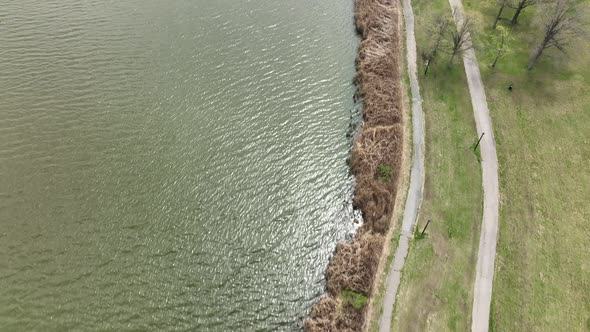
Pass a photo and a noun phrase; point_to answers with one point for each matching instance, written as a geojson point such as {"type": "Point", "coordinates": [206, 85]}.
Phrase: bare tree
{"type": "Point", "coordinates": [436, 31]}
{"type": "Point", "coordinates": [562, 25]}
{"type": "Point", "coordinates": [502, 4]}
{"type": "Point", "coordinates": [519, 6]}
{"type": "Point", "coordinates": [459, 37]}
{"type": "Point", "coordinates": [428, 58]}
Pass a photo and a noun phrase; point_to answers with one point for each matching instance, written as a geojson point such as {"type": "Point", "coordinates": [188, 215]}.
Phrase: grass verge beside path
{"type": "Point", "coordinates": [542, 128]}
{"type": "Point", "coordinates": [437, 283]}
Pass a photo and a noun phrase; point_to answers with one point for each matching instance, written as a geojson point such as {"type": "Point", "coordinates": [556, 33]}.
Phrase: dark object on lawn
{"type": "Point", "coordinates": [424, 229]}
{"type": "Point", "coordinates": [510, 87]}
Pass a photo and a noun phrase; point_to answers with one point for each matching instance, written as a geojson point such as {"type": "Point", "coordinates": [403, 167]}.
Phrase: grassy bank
{"type": "Point", "coordinates": [542, 128]}
{"type": "Point", "coordinates": [436, 289]}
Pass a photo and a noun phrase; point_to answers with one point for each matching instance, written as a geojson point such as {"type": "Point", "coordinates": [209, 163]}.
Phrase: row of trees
{"type": "Point", "coordinates": [561, 25]}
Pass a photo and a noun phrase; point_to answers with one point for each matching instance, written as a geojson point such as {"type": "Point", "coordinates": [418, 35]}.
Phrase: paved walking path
{"type": "Point", "coordinates": [414, 198]}
{"type": "Point", "coordinates": [482, 294]}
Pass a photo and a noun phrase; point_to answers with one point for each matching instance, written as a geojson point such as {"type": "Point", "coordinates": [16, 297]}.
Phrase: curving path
{"type": "Point", "coordinates": [414, 198]}
{"type": "Point", "coordinates": [482, 293]}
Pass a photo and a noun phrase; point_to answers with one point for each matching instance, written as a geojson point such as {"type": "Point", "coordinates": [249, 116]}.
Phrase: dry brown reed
{"type": "Point", "coordinates": [374, 196]}
{"type": "Point", "coordinates": [332, 315]}
{"type": "Point", "coordinates": [354, 263]}
{"type": "Point", "coordinates": [378, 145]}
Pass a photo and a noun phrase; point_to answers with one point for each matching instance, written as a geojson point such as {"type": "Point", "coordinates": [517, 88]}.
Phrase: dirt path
{"type": "Point", "coordinates": [414, 198]}
{"type": "Point", "coordinates": [482, 293]}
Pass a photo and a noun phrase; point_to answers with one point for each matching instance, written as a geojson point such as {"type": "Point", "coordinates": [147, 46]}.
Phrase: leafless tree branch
{"type": "Point", "coordinates": [562, 26]}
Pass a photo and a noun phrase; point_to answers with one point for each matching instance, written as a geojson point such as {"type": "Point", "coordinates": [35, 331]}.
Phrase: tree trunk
{"type": "Point", "coordinates": [535, 58]}
{"type": "Point", "coordinates": [516, 14]}
{"type": "Point", "coordinates": [452, 58]}
{"type": "Point", "coordinates": [495, 61]}
{"type": "Point", "coordinates": [427, 66]}
{"type": "Point", "coordinates": [498, 16]}
{"type": "Point", "coordinates": [499, 53]}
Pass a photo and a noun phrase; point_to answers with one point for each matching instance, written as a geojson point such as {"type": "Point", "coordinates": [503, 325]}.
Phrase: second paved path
{"type": "Point", "coordinates": [482, 292]}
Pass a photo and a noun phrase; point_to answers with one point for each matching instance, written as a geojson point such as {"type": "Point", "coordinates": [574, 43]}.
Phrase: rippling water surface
{"type": "Point", "coordinates": [171, 165]}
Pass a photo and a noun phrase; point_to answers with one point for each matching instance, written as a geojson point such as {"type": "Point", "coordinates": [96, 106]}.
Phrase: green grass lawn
{"type": "Point", "coordinates": [437, 281]}
{"type": "Point", "coordinates": [542, 129]}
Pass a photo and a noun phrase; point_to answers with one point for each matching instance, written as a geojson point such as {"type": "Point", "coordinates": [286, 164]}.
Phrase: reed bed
{"type": "Point", "coordinates": [375, 162]}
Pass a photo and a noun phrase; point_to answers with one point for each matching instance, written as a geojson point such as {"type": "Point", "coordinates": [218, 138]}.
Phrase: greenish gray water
{"type": "Point", "coordinates": [171, 165]}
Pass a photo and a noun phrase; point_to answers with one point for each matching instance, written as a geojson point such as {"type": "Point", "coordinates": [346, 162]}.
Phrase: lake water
{"type": "Point", "coordinates": [171, 165]}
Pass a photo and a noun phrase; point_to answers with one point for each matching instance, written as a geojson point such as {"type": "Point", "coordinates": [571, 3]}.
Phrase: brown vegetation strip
{"type": "Point", "coordinates": [376, 158]}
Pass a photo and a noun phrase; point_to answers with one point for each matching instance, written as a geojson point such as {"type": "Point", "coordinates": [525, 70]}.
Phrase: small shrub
{"type": "Point", "coordinates": [355, 299]}
{"type": "Point", "coordinates": [385, 172]}
{"type": "Point", "coordinates": [419, 235]}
